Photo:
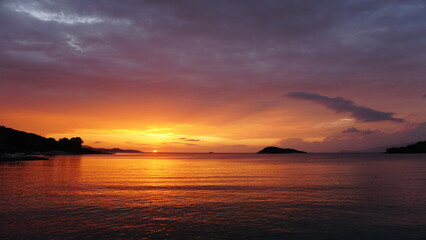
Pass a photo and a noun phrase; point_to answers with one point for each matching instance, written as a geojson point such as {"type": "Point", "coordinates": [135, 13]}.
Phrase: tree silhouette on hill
{"type": "Point", "coordinates": [13, 141]}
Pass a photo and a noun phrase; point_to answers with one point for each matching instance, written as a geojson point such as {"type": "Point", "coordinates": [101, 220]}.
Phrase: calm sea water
{"type": "Point", "coordinates": [215, 196]}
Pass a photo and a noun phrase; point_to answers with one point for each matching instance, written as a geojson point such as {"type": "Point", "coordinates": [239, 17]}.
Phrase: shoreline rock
{"type": "Point", "coordinates": [20, 157]}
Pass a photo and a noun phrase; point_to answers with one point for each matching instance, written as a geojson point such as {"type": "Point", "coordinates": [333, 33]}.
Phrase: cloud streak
{"type": "Point", "coordinates": [189, 139]}
{"type": "Point", "coordinates": [354, 130]}
{"type": "Point", "coordinates": [341, 105]}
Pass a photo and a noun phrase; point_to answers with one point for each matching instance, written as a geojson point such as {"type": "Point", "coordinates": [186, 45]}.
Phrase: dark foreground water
{"type": "Point", "coordinates": [215, 196]}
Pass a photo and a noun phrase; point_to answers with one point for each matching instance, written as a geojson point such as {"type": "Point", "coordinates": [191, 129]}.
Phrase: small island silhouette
{"type": "Point", "coordinates": [419, 147]}
{"type": "Point", "coordinates": [279, 150]}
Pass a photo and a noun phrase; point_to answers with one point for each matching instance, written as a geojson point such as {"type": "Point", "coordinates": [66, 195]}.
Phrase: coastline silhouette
{"type": "Point", "coordinates": [20, 145]}
{"type": "Point", "coordinates": [419, 147]}
{"type": "Point", "coordinates": [112, 150]}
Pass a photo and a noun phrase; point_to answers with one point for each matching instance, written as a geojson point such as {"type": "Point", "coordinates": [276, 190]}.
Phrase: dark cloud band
{"type": "Point", "coordinates": [341, 105]}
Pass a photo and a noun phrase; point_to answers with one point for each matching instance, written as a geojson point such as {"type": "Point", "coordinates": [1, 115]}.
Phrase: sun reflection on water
{"type": "Point", "coordinates": [155, 195]}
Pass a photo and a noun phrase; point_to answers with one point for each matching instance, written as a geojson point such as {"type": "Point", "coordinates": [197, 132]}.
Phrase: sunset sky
{"type": "Point", "coordinates": [221, 76]}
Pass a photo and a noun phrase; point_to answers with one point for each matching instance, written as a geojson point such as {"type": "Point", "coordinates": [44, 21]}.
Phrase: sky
{"type": "Point", "coordinates": [221, 76]}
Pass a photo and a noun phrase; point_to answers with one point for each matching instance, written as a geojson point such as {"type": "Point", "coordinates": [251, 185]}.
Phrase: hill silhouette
{"type": "Point", "coordinates": [113, 150]}
{"type": "Point", "coordinates": [279, 150]}
{"type": "Point", "coordinates": [419, 147]}
{"type": "Point", "coordinates": [14, 141]}
{"type": "Point", "coordinates": [383, 148]}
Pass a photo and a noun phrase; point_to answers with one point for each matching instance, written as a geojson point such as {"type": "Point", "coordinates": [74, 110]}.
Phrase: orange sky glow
{"type": "Point", "coordinates": [200, 79]}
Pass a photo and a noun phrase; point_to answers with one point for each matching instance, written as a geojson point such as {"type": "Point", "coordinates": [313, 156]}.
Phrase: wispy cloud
{"type": "Point", "coordinates": [59, 17]}
{"type": "Point", "coordinates": [180, 143]}
{"type": "Point", "coordinates": [190, 139]}
{"type": "Point", "coordinates": [341, 105]}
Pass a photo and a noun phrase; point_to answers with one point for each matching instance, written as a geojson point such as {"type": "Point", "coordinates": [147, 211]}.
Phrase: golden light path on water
{"type": "Point", "coordinates": [157, 196]}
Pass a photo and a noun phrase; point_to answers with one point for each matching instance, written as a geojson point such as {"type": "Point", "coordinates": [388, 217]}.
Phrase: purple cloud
{"type": "Point", "coordinates": [361, 132]}
{"type": "Point", "coordinates": [341, 105]}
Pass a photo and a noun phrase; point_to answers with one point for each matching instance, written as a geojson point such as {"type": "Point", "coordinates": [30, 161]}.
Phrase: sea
{"type": "Point", "coordinates": [215, 196]}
